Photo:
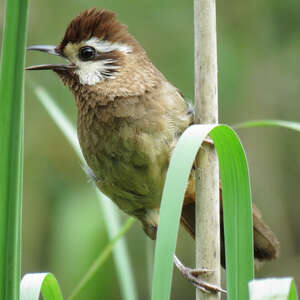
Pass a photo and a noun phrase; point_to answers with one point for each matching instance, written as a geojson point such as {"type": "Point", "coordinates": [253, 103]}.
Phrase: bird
{"type": "Point", "coordinates": [129, 119]}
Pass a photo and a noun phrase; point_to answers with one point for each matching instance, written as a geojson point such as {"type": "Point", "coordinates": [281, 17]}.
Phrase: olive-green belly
{"type": "Point", "coordinates": [130, 169]}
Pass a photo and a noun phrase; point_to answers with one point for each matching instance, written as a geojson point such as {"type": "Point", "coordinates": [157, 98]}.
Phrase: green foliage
{"type": "Point", "coordinates": [11, 149]}
{"type": "Point", "coordinates": [32, 285]}
{"type": "Point", "coordinates": [236, 205]}
{"type": "Point", "coordinates": [258, 45]}
{"type": "Point", "coordinates": [273, 289]}
{"type": "Point", "coordinates": [257, 69]}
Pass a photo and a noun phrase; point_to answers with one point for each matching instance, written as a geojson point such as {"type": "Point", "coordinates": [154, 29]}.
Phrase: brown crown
{"type": "Point", "coordinates": [95, 23]}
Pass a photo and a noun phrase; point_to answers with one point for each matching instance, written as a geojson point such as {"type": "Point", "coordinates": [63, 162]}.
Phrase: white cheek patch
{"type": "Point", "coordinates": [92, 72]}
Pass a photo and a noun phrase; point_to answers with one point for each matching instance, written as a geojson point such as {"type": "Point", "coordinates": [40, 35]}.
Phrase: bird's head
{"type": "Point", "coordinates": [96, 47]}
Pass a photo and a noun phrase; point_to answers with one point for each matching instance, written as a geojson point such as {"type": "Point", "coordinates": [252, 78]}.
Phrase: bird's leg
{"type": "Point", "coordinates": [192, 276]}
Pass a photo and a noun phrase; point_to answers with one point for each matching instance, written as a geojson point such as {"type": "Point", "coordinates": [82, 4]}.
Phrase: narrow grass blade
{"type": "Point", "coordinates": [273, 289]}
{"type": "Point", "coordinates": [270, 123]}
{"type": "Point", "coordinates": [236, 206]}
{"type": "Point", "coordinates": [60, 120]}
{"type": "Point", "coordinates": [101, 259]}
{"type": "Point", "coordinates": [120, 252]}
{"type": "Point", "coordinates": [32, 285]}
{"type": "Point", "coordinates": [11, 145]}
{"type": "Point", "coordinates": [111, 214]}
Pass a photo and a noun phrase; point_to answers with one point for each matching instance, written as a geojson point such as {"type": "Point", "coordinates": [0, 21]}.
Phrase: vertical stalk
{"type": "Point", "coordinates": [11, 146]}
{"type": "Point", "coordinates": [207, 170]}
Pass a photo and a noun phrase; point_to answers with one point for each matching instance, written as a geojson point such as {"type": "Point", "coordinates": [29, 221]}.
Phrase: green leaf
{"type": "Point", "coordinates": [111, 214]}
{"type": "Point", "coordinates": [269, 123]}
{"type": "Point", "coordinates": [32, 285]}
{"type": "Point", "coordinates": [273, 289]}
{"type": "Point", "coordinates": [11, 145]}
{"type": "Point", "coordinates": [236, 206]}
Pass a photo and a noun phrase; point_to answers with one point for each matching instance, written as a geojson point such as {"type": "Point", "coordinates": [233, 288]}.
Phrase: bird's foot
{"type": "Point", "coordinates": [192, 276]}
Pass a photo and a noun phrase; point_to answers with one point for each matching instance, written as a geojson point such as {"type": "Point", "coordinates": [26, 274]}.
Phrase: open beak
{"type": "Point", "coordinates": [51, 50]}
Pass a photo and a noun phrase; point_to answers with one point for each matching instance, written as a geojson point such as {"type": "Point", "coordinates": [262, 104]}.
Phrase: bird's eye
{"type": "Point", "coordinates": [87, 53]}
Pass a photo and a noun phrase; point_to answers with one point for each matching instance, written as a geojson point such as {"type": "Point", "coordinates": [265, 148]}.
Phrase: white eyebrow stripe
{"type": "Point", "coordinates": [106, 46]}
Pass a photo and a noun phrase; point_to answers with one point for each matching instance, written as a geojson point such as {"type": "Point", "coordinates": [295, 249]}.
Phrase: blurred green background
{"type": "Point", "coordinates": [259, 78]}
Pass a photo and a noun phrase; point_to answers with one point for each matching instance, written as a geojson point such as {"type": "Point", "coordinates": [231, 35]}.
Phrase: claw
{"type": "Point", "coordinates": [191, 275]}
{"type": "Point", "coordinates": [197, 272]}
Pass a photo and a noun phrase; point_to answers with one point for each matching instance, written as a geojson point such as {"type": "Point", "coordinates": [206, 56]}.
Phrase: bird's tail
{"type": "Point", "coordinates": [266, 245]}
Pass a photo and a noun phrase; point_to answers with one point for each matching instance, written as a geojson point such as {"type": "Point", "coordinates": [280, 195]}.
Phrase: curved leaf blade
{"type": "Point", "coordinates": [273, 289]}
{"type": "Point", "coordinates": [236, 205]}
{"type": "Point", "coordinates": [32, 285]}
{"type": "Point", "coordinates": [237, 211]}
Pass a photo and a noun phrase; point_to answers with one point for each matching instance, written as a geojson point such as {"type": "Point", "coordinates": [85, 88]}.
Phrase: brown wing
{"type": "Point", "coordinates": [266, 245]}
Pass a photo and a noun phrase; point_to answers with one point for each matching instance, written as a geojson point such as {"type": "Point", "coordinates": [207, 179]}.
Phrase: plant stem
{"type": "Point", "coordinates": [207, 170]}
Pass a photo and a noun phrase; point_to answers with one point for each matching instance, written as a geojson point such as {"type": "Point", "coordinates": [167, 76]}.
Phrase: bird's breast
{"type": "Point", "coordinates": [128, 150]}
{"type": "Point", "coordinates": [128, 143]}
